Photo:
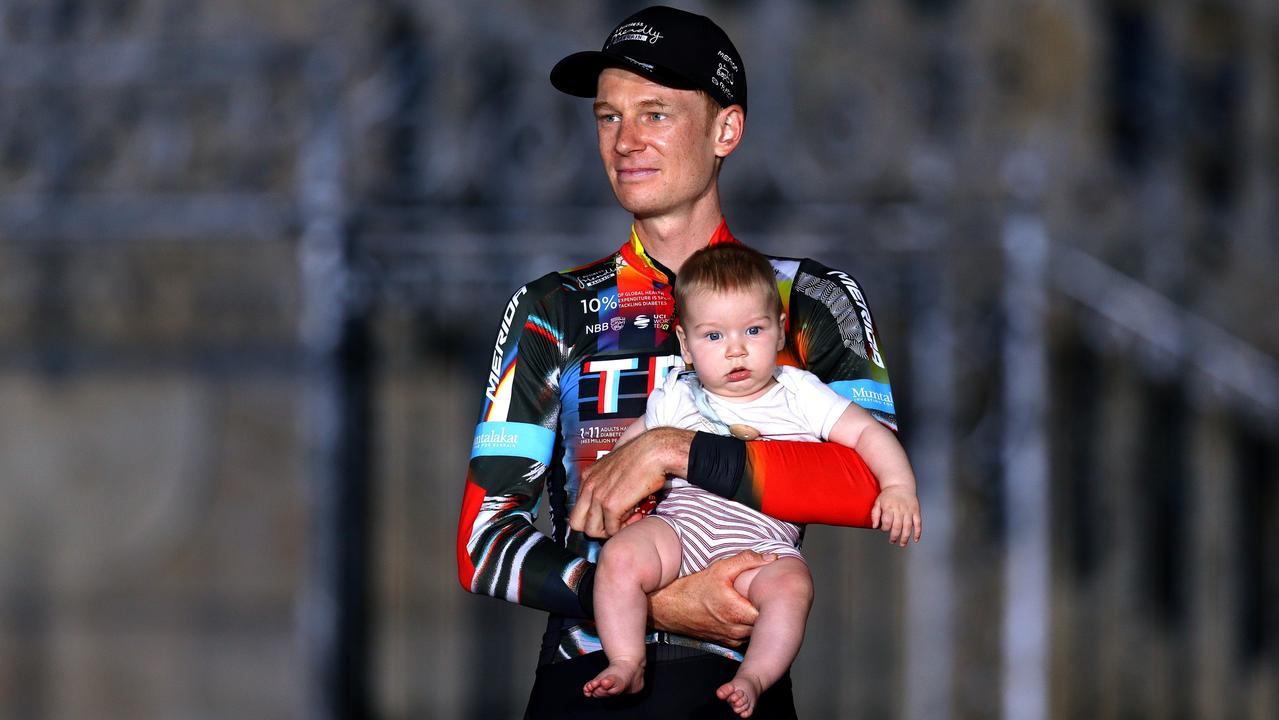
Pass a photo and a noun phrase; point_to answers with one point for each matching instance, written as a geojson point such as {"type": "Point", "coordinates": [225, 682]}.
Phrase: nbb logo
{"type": "Point", "coordinates": [621, 384]}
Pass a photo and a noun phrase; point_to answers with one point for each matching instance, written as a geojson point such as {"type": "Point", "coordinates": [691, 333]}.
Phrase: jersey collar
{"type": "Point", "coordinates": [634, 255]}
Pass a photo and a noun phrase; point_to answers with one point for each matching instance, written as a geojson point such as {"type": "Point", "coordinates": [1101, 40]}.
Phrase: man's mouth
{"type": "Point", "coordinates": [632, 174]}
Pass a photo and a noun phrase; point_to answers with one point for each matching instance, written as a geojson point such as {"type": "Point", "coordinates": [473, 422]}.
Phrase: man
{"type": "Point", "coordinates": [578, 352]}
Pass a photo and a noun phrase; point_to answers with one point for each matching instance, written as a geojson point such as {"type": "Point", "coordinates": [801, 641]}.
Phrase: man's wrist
{"type": "Point", "coordinates": [675, 449]}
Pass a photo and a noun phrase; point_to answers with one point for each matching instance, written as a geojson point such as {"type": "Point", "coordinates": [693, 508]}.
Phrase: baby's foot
{"type": "Point", "coordinates": [741, 693]}
{"type": "Point", "coordinates": [620, 676]}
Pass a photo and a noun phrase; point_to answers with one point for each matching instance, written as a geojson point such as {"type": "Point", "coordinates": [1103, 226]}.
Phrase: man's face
{"type": "Point", "coordinates": [660, 146]}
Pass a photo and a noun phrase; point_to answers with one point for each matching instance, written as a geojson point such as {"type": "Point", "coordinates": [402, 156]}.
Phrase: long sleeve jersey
{"type": "Point", "coordinates": [576, 356]}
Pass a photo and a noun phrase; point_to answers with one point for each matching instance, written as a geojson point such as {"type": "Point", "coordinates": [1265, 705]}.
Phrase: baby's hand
{"type": "Point", "coordinates": [896, 512]}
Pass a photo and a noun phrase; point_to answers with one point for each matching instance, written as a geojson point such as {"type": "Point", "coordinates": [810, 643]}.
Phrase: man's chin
{"type": "Point", "coordinates": [641, 208]}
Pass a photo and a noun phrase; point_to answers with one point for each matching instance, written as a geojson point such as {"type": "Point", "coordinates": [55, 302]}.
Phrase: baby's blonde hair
{"type": "Point", "coordinates": [725, 267]}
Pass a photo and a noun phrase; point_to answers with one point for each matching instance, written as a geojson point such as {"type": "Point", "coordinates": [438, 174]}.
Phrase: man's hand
{"type": "Point", "coordinates": [613, 486]}
{"type": "Point", "coordinates": [706, 605]}
{"type": "Point", "coordinates": [896, 512]}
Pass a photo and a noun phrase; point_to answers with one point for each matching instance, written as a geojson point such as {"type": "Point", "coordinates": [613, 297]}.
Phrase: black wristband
{"type": "Point", "coordinates": [716, 463]}
{"type": "Point", "coordinates": [586, 592]}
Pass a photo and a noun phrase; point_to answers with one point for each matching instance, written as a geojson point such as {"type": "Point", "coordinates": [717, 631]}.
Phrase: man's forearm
{"type": "Point", "coordinates": [717, 463]}
{"type": "Point", "coordinates": [799, 482]}
{"type": "Point", "coordinates": [543, 575]}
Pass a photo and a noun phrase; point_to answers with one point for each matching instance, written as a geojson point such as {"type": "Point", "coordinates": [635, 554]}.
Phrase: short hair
{"type": "Point", "coordinates": [712, 106]}
{"type": "Point", "coordinates": [725, 267]}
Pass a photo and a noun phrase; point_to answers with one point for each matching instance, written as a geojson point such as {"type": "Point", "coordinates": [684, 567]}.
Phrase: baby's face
{"type": "Point", "coordinates": [732, 339]}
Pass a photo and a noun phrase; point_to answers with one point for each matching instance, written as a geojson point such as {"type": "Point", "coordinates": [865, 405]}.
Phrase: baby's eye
{"type": "Point", "coordinates": [712, 336]}
{"type": "Point", "coordinates": [754, 330]}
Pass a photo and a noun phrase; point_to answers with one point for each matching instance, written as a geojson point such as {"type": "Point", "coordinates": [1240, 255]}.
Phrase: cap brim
{"type": "Point", "coordinates": [579, 73]}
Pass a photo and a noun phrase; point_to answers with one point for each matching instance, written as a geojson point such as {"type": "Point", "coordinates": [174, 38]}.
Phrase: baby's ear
{"type": "Point", "coordinates": [781, 335]}
{"type": "Point", "coordinates": [683, 345]}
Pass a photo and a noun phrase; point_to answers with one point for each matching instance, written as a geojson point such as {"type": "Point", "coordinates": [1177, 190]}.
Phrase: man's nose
{"type": "Point", "coordinates": [629, 137]}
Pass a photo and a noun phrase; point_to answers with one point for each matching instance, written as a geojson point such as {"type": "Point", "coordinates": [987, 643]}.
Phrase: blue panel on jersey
{"type": "Point", "coordinates": [867, 393]}
{"type": "Point", "coordinates": [514, 440]}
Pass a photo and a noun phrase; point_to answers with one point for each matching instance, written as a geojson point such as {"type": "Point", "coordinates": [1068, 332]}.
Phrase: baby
{"type": "Point", "coordinates": [731, 329]}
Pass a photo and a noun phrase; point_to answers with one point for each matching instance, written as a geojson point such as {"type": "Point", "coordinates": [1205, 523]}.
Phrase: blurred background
{"type": "Point", "coordinates": [253, 256]}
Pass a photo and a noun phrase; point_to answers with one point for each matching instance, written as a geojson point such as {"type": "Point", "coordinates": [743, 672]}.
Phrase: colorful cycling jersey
{"type": "Point", "coordinates": [576, 356]}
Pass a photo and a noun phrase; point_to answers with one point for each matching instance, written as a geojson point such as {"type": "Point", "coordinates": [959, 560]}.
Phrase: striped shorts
{"type": "Point", "coordinates": [711, 527]}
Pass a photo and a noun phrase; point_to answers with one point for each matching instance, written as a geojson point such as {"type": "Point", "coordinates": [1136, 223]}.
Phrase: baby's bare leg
{"type": "Point", "coordinates": [640, 559]}
{"type": "Point", "coordinates": [783, 592]}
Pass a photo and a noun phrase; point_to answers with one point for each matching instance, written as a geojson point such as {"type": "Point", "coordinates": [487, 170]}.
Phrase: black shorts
{"type": "Point", "coordinates": [679, 683]}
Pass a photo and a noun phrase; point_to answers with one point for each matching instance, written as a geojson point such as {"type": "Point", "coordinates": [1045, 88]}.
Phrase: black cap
{"type": "Point", "coordinates": [671, 47]}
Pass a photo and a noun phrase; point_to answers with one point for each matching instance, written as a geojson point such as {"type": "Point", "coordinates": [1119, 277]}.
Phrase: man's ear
{"type": "Point", "coordinates": [730, 123]}
{"type": "Point", "coordinates": [683, 345]}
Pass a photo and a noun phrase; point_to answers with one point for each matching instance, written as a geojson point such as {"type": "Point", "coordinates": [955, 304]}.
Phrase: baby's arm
{"type": "Point", "coordinates": [896, 510]}
{"type": "Point", "coordinates": [632, 432]}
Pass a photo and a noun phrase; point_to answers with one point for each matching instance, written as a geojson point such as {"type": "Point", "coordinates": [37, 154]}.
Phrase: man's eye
{"type": "Point", "coordinates": [607, 118]}
{"type": "Point", "coordinates": [712, 336]}
{"type": "Point", "coordinates": [658, 116]}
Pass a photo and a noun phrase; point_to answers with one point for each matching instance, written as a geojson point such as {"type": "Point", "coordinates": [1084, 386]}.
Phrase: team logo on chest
{"type": "Point", "coordinates": [621, 385]}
